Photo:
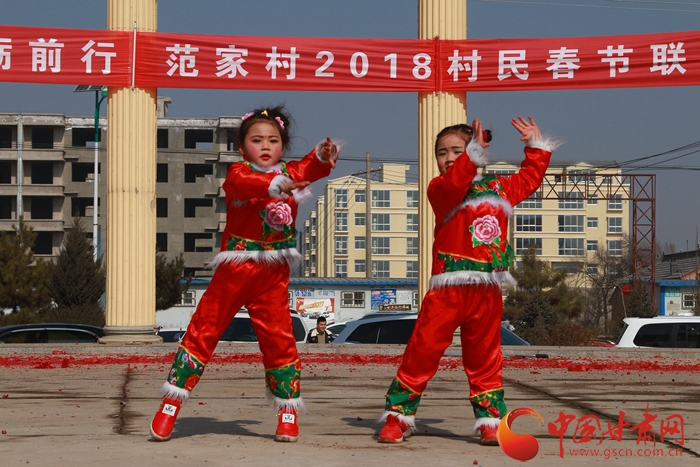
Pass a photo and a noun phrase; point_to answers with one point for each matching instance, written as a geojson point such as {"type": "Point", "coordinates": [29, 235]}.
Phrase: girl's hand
{"type": "Point", "coordinates": [328, 151]}
{"type": "Point", "coordinates": [288, 187]}
{"type": "Point", "coordinates": [528, 130]}
{"type": "Point", "coordinates": [478, 137]}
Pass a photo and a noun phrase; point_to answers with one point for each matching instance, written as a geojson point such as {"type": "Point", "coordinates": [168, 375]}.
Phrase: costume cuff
{"type": "Point", "coordinates": [274, 190]}
{"type": "Point", "coordinates": [546, 143]}
{"type": "Point", "coordinates": [334, 154]}
{"type": "Point", "coordinates": [476, 153]}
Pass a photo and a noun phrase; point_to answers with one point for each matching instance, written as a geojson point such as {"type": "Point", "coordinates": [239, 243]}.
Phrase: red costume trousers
{"type": "Point", "coordinates": [262, 289]}
{"type": "Point", "coordinates": [477, 310]}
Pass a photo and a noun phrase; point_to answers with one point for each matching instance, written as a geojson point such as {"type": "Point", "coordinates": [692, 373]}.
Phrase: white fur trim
{"type": "Point", "coordinates": [273, 168]}
{"type": "Point", "coordinates": [409, 420]}
{"type": "Point", "coordinates": [274, 190]}
{"type": "Point", "coordinates": [174, 392]}
{"type": "Point", "coordinates": [494, 201]}
{"type": "Point", "coordinates": [486, 421]}
{"type": "Point", "coordinates": [290, 255]}
{"type": "Point", "coordinates": [301, 196]}
{"type": "Point", "coordinates": [502, 278]}
{"type": "Point", "coordinates": [296, 404]}
{"type": "Point", "coordinates": [477, 154]}
{"type": "Point", "coordinates": [546, 143]}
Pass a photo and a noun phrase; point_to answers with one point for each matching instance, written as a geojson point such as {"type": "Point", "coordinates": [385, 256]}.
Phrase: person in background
{"type": "Point", "coordinates": [319, 334]}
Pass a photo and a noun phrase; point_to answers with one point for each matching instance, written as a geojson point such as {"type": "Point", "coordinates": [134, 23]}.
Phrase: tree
{"type": "Point", "coordinates": [640, 302]}
{"type": "Point", "coordinates": [169, 284]}
{"type": "Point", "coordinates": [22, 278]}
{"type": "Point", "coordinates": [76, 281]}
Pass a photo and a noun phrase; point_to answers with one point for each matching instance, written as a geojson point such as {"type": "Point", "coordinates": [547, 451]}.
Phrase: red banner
{"type": "Point", "coordinates": [65, 56]}
{"type": "Point", "coordinates": [69, 56]}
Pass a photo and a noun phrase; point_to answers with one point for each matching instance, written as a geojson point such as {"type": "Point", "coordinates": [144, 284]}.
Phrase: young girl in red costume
{"type": "Point", "coordinates": [258, 247]}
{"type": "Point", "coordinates": [471, 257]}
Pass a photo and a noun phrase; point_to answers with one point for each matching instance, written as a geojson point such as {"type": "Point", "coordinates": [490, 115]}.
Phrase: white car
{"type": "Point", "coordinates": [661, 331]}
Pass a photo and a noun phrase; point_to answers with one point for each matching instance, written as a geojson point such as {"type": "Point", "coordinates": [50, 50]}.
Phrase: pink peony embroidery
{"type": "Point", "coordinates": [278, 215]}
{"type": "Point", "coordinates": [486, 229]}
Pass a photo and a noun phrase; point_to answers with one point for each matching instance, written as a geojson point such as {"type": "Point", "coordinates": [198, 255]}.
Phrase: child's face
{"type": "Point", "coordinates": [449, 148]}
{"type": "Point", "coordinates": [262, 145]}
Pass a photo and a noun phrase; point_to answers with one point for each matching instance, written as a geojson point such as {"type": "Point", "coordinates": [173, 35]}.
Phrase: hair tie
{"type": "Point", "coordinates": [264, 112]}
{"type": "Point", "coordinates": [279, 120]}
{"type": "Point", "coordinates": [247, 116]}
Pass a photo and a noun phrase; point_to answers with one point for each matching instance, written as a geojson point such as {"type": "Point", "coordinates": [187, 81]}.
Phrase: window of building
{"type": "Point", "coordinates": [380, 222]}
{"type": "Point", "coordinates": [412, 222]}
{"type": "Point", "coordinates": [580, 176]}
{"type": "Point", "coordinates": [195, 171]}
{"type": "Point", "coordinates": [592, 245]}
{"type": "Point", "coordinates": [592, 199]}
{"type": "Point", "coordinates": [6, 207]}
{"type": "Point", "coordinates": [42, 207]}
{"type": "Point", "coordinates": [412, 246]}
{"type": "Point", "coordinates": [189, 298]}
{"type": "Point", "coordinates": [534, 201]}
{"type": "Point", "coordinates": [522, 245]}
{"type": "Point", "coordinates": [352, 299]}
{"type": "Point", "coordinates": [592, 223]}
{"type": "Point", "coordinates": [341, 199]}
{"type": "Point", "coordinates": [528, 223]}
{"type": "Point", "coordinates": [416, 299]}
{"type": "Point", "coordinates": [341, 245]}
{"type": "Point", "coordinates": [614, 225]}
{"type": "Point", "coordinates": [341, 268]}
{"type": "Point", "coordinates": [381, 245]}
{"type": "Point", "coordinates": [615, 204]}
{"type": "Point", "coordinates": [360, 266]}
{"type": "Point", "coordinates": [614, 247]}
{"type": "Point", "coordinates": [570, 223]}
{"type": "Point", "coordinates": [42, 173]}
{"type": "Point", "coordinates": [82, 136]}
{"type": "Point", "coordinates": [191, 205]}
{"type": "Point", "coordinates": [83, 171]}
{"type": "Point", "coordinates": [161, 207]}
{"type": "Point", "coordinates": [199, 139]}
{"type": "Point", "coordinates": [571, 200]}
{"type": "Point", "coordinates": [412, 199]}
{"type": "Point", "coordinates": [570, 267]}
{"type": "Point", "coordinates": [198, 242]}
{"type": "Point", "coordinates": [360, 196]}
{"type": "Point", "coordinates": [571, 246]}
{"type": "Point", "coordinates": [162, 138]}
{"type": "Point", "coordinates": [412, 269]}
{"type": "Point", "coordinates": [5, 172]}
{"type": "Point", "coordinates": [359, 243]}
{"type": "Point", "coordinates": [42, 137]}
{"type": "Point", "coordinates": [381, 198]}
{"type": "Point", "coordinates": [162, 242]}
{"type": "Point", "coordinates": [592, 269]}
{"type": "Point", "coordinates": [360, 219]}
{"type": "Point", "coordinates": [341, 221]}
{"type": "Point", "coordinates": [5, 137]}
{"type": "Point", "coordinates": [43, 244]}
{"type": "Point", "coordinates": [380, 269]}
{"type": "Point", "coordinates": [83, 206]}
{"type": "Point", "coordinates": [162, 173]}
{"type": "Point", "coordinates": [688, 301]}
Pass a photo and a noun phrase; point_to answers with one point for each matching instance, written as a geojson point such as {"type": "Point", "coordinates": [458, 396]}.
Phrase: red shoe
{"type": "Point", "coordinates": [287, 425]}
{"type": "Point", "coordinates": [394, 430]}
{"type": "Point", "coordinates": [489, 435]}
{"type": "Point", "coordinates": [164, 421]}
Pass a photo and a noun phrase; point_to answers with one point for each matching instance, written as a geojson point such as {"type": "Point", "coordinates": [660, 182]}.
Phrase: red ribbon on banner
{"type": "Point", "coordinates": [70, 56]}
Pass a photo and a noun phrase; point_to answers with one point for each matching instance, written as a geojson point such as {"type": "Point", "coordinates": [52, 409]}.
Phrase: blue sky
{"type": "Point", "coordinates": [613, 124]}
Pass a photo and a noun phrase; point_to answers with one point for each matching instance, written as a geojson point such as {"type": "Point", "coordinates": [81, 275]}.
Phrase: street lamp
{"type": "Point", "coordinates": [100, 94]}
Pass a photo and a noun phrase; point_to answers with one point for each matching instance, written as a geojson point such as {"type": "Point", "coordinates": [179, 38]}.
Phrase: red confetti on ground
{"type": "Point", "coordinates": [476, 462]}
{"type": "Point", "coordinates": [58, 352]}
{"type": "Point", "coordinates": [5, 396]}
{"type": "Point", "coordinates": [4, 432]}
{"type": "Point", "coordinates": [201, 403]}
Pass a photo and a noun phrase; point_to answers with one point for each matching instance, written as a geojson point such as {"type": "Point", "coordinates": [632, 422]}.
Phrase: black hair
{"type": "Point", "coordinates": [269, 115]}
{"type": "Point", "coordinates": [320, 319]}
{"type": "Point", "coordinates": [463, 130]}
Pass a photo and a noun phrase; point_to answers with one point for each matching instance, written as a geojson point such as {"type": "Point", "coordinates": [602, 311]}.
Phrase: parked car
{"type": "Point", "coordinates": [241, 329]}
{"type": "Point", "coordinates": [50, 333]}
{"type": "Point", "coordinates": [396, 328]}
{"type": "Point", "coordinates": [171, 335]}
{"type": "Point", "coordinates": [336, 328]}
{"type": "Point", "coordinates": [661, 331]}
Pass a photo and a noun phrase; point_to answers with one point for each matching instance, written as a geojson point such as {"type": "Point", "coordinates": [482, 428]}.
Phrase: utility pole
{"type": "Point", "coordinates": [368, 220]}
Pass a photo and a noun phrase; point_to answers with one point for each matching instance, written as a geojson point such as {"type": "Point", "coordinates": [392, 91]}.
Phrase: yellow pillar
{"type": "Point", "coordinates": [131, 189]}
{"type": "Point", "coordinates": [446, 19]}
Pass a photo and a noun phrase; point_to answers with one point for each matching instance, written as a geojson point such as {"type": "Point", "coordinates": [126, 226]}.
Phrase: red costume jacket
{"type": "Point", "coordinates": [260, 221]}
{"type": "Point", "coordinates": [471, 218]}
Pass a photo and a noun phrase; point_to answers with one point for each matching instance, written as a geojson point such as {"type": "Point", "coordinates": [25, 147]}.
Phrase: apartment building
{"type": "Point", "coordinates": [47, 176]}
{"type": "Point", "coordinates": [564, 231]}
{"type": "Point", "coordinates": [335, 234]}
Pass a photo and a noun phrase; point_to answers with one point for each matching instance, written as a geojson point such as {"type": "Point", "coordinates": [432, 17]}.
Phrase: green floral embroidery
{"type": "Point", "coordinates": [241, 244]}
{"type": "Point", "coordinates": [500, 262]}
{"type": "Point", "coordinates": [489, 404]}
{"type": "Point", "coordinates": [282, 171]}
{"type": "Point", "coordinates": [489, 185]}
{"type": "Point", "coordinates": [401, 399]}
{"type": "Point", "coordinates": [186, 370]}
{"type": "Point", "coordinates": [284, 382]}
